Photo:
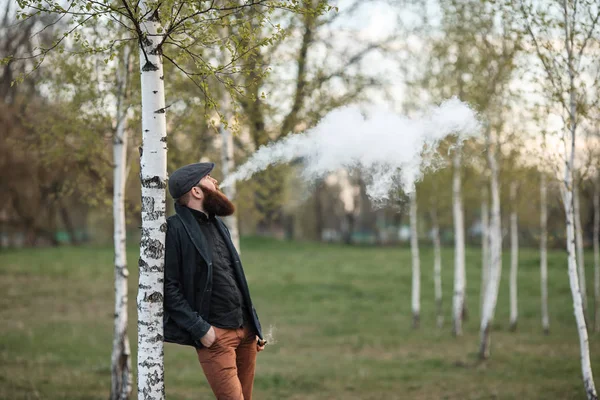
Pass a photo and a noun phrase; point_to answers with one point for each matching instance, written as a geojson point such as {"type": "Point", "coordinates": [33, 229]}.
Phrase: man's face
{"type": "Point", "coordinates": [209, 183]}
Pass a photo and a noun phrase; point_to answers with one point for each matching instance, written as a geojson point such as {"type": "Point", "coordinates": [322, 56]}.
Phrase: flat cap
{"type": "Point", "coordinates": [185, 178]}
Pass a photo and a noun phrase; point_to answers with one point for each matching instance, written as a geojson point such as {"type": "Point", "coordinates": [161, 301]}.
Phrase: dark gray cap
{"type": "Point", "coordinates": [185, 178]}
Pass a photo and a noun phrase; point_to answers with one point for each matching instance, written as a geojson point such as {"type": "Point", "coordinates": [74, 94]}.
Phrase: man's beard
{"type": "Point", "coordinates": [216, 203]}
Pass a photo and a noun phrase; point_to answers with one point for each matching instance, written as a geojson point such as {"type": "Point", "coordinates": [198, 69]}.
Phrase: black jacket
{"type": "Point", "coordinates": [188, 279]}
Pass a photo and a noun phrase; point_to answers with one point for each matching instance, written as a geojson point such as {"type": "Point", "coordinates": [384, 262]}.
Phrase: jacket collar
{"type": "Point", "coordinates": [194, 232]}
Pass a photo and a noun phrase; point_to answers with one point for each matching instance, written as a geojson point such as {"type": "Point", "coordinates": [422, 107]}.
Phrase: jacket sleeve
{"type": "Point", "coordinates": [175, 303]}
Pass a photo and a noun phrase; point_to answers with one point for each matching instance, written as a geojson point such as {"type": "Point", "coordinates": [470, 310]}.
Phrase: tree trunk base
{"type": "Point", "coordinates": [547, 331]}
{"type": "Point", "coordinates": [484, 347]}
{"type": "Point", "coordinates": [513, 326]}
{"type": "Point", "coordinates": [415, 321]}
{"type": "Point", "coordinates": [456, 329]}
{"type": "Point", "coordinates": [465, 311]}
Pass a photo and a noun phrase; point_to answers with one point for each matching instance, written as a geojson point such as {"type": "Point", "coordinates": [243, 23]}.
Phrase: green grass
{"type": "Point", "coordinates": [342, 328]}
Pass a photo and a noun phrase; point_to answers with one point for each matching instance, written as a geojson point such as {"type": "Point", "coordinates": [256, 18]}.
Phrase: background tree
{"type": "Point", "coordinates": [560, 33]}
{"type": "Point", "coordinates": [416, 262]}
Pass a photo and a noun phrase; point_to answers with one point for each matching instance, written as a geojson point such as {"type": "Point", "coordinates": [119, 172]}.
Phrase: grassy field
{"type": "Point", "coordinates": [342, 328]}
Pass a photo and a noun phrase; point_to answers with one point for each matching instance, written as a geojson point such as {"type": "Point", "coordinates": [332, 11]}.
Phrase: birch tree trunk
{"type": "Point", "coordinates": [153, 174]}
{"type": "Point", "coordinates": [596, 258]}
{"type": "Point", "coordinates": [459, 249]}
{"type": "Point", "coordinates": [228, 165]}
{"type": "Point", "coordinates": [579, 245]}
{"type": "Point", "coordinates": [121, 355]}
{"type": "Point", "coordinates": [437, 267]}
{"type": "Point", "coordinates": [544, 253]}
{"type": "Point", "coordinates": [485, 248]}
{"type": "Point", "coordinates": [416, 266]}
{"type": "Point", "coordinates": [491, 294]}
{"type": "Point", "coordinates": [514, 257]}
{"type": "Point", "coordinates": [567, 189]}
{"type": "Point", "coordinates": [586, 368]}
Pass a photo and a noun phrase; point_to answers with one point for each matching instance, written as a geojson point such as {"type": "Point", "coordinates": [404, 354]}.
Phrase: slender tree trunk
{"type": "Point", "coordinates": [64, 214]}
{"type": "Point", "coordinates": [596, 258]}
{"type": "Point", "coordinates": [485, 248]}
{"type": "Point", "coordinates": [319, 210]}
{"type": "Point", "coordinates": [153, 174]}
{"type": "Point", "coordinates": [416, 265]}
{"type": "Point", "coordinates": [121, 354]}
{"type": "Point", "coordinates": [567, 189]}
{"type": "Point", "coordinates": [491, 295]}
{"type": "Point", "coordinates": [459, 250]}
{"type": "Point", "coordinates": [588, 379]}
{"type": "Point", "coordinates": [579, 245]}
{"type": "Point", "coordinates": [437, 267]}
{"type": "Point", "coordinates": [544, 253]}
{"type": "Point", "coordinates": [514, 257]}
{"type": "Point", "coordinates": [228, 165]}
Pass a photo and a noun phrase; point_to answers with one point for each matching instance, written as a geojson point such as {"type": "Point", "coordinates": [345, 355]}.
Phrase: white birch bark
{"type": "Point", "coordinates": [437, 267]}
{"type": "Point", "coordinates": [514, 257]}
{"type": "Point", "coordinates": [579, 245]}
{"type": "Point", "coordinates": [228, 165]}
{"type": "Point", "coordinates": [227, 155]}
{"type": "Point", "coordinates": [416, 265]}
{"type": "Point", "coordinates": [586, 368]}
{"type": "Point", "coordinates": [491, 295]}
{"type": "Point", "coordinates": [567, 189]}
{"type": "Point", "coordinates": [485, 248]}
{"type": "Point", "coordinates": [153, 174]}
{"type": "Point", "coordinates": [596, 258]}
{"type": "Point", "coordinates": [544, 253]}
{"type": "Point", "coordinates": [121, 382]}
{"type": "Point", "coordinates": [459, 249]}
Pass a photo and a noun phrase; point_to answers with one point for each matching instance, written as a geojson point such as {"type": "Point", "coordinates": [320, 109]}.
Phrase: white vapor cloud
{"type": "Point", "coordinates": [388, 148]}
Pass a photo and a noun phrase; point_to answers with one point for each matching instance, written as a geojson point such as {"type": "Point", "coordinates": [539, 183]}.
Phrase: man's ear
{"type": "Point", "coordinates": [198, 192]}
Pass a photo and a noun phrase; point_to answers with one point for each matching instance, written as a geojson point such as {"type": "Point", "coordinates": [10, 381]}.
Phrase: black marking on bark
{"type": "Point", "coordinates": [155, 378]}
{"type": "Point", "coordinates": [154, 268]}
{"type": "Point", "coordinates": [161, 110]}
{"type": "Point", "coordinates": [155, 297]}
{"type": "Point", "coordinates": [163, 139]}
{"type": "Point", "coordinates": [157, 51]}
{"type": "Point", "coordinates": [123, 271]}
{"type": "Point", "coordinates": [141, 149]}
{"type": "Point", "coordinates": [146, 42]}
{"type": "Point", "coordinates": [147, 205]}
{"type": "Point", "coordinates": [153, 182]}
{"type": "Point", "coordinates": [142, 286]}
{"type": "Point", "coordinates": [155, 91]}
{"type": "Point", "coordinates": [163, 227]}
{"type": "Point", "coordinates": [145, 232]}
{"type": "Point", "coordinates": [142, 263]}
{"type": "Point", "coordinates": [162, 78]}
{"type": "Point", "coordinates": [153, 216]}
{"type": "Point", "coordinates": [153, 248]}
{"type": "Point", "coordinates": [149, 67]}
{"type": "Point", "coordinates": [149, 364]}
{"type": "Point", "coordinates": [156, 339]}
{"type": "Point", "coordinates": [154, 17]}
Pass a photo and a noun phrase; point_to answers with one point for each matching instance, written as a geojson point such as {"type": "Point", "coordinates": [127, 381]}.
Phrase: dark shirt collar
{"type": "Point", "coordinates": [201, 216]}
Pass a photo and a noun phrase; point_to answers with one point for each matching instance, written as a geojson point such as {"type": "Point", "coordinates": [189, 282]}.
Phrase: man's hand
{"type": "Point", "coordinates": [260, 344]}
{"type": "Point", "coordinates": [208, 339]}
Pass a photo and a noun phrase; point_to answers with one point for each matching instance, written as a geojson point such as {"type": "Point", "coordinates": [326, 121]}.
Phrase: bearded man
{"type": "Point", "coordinates": [207, 301]}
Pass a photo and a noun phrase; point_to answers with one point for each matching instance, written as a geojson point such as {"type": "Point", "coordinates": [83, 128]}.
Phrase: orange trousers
{"type": "Point", "coordinates": [230, 362]}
